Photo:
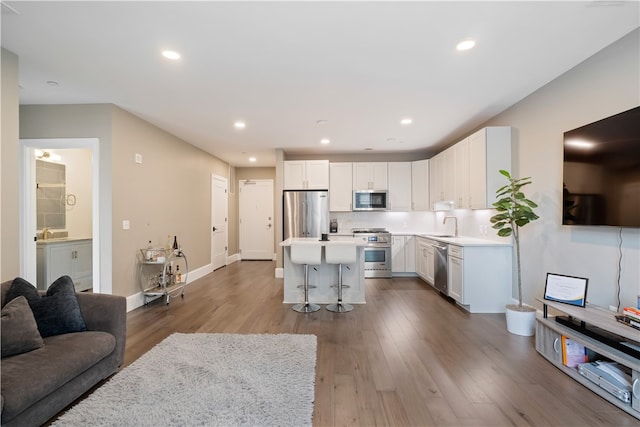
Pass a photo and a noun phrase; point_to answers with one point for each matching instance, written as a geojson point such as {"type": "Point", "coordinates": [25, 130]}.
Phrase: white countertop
{"type": "Point", "coordinates": [465, 241]}
{"type": "Point", "coordinates": [61, 240]}
{"type": "Point", "coordinates": [359, 240]}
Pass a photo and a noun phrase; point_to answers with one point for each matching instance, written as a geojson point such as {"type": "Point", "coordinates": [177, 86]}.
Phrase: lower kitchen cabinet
{"type": "Point", "coordinates": [67, 257]}
{"type": "Point", "coordinates": [479, 277]}
{"type": "Point", "coordinates": [425, 259]}
{"type": "Point", "coordinates": [403, 254]}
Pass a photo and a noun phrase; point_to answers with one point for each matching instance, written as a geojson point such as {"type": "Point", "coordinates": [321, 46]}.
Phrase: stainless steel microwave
{"type": "Point", "coordinates": [370, 200]}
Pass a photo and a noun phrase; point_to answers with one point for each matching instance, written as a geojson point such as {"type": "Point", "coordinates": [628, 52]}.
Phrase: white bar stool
{"type": "Point", "coordinates": [340, 252]}
{"type": "Point", "coordinates": [306, 253]}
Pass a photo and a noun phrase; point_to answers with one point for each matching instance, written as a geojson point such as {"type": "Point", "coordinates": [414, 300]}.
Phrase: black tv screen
{"type": "Point", "coordinates": [601, 172]}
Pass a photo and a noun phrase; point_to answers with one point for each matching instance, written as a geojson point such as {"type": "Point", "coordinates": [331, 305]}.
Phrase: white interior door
{"type": "Point", "coordinates": [256, 219]}
{"type": "Point", "coordinates": [219, 215]}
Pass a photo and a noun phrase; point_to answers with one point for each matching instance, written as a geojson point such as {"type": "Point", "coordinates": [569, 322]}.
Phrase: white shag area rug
{"type": "Point", "coordinates": [208, 380]}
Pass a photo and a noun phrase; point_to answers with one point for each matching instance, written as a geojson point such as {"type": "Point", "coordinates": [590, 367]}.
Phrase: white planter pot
{"type": "Point", "coordinates": [521, 322]}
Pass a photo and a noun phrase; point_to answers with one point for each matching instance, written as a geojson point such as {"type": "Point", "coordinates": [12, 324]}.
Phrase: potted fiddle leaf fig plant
{"type": "Point", "coordinates": [515, 210]}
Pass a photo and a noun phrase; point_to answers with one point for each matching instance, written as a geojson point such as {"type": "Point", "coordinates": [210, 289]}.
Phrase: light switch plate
{"type": "Point", "coordinates": [125, 224]}
{"type": "Point", "coordinates": [138, 158]}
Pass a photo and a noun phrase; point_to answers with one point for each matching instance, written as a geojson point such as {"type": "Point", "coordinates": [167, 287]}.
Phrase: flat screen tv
{"type": "Point", "coordinates": [601, 172]}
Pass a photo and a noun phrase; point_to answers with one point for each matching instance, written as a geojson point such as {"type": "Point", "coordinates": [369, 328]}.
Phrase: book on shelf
{"type": "Point", "coordinates": [632, 313]}
{"type": "Point", "coordinates": [573, 353]}
{"type": "Point", "coordinates": [629, 321]}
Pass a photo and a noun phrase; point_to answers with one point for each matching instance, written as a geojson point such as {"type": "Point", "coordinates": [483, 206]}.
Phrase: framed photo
{"type": "Point", "coordinates": [566, 289]}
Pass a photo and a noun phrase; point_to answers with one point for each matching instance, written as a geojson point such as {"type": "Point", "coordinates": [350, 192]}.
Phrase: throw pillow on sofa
{"type": "Point", "coordinates": [19, 329]}
{"type": "Point", "coordinates": [56, 313]}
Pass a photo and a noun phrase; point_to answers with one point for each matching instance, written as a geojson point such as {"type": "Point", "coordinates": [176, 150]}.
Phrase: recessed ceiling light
{"type": "Point", "coordinates": [368, 149]}
{"type": "Point", "coordinates": [391, 140]}
{"type": "Point", "coordinates": [466, 44]}
{"type": "Point", "coordinates": [252, 159]}
{"type": "Point", "coordinates": [240, 125]}
{"type": "Point", "coordinates": [52, 83]}
{"type": "Point", "coordinates": [170, 54]}
{"type": "Point", "coordinates": [325, 141]}
{"type": "Point", "coordinates": [406, 121]}
{"type": "Point", "coordinates": [322, 122]}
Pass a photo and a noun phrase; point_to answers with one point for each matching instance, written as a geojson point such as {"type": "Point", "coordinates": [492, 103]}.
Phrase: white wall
{"type": "Point", "coordinates": [603, 85]}
{"type": "Point", "coordinates": [79, 181]}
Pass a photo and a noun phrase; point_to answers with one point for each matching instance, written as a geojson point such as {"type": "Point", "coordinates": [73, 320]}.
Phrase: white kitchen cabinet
{"type": "Point", "coordinates": [441, 179]}
{"type": "Point", "coordinates": [489, 151]}
{"type": "Point", "coordinates": [399, 178]}
{"type": "Point", "coordinates": [456, 274]}
{"type": "Point", "coordinates": [425, 259]}
{"type": "Point", "coordinates": [403, 254]}
{"type": "Point", "coordinates": [306, 175]}
{"type": "Point", "coordinates": [462, 199]}
{"type": "Point", "coordinates": [420, 185]}
{"type": "Point", "coordinates": [67, 257]}
{"type": "Point", "coordinates": [340, 187]}
{"type": "Point", "coordinates": [370, 176]}
{"type": "Point", "coordinates": [479, 277]}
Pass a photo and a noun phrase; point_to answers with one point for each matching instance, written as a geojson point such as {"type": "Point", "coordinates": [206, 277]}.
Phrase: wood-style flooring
{"type": "Point", "coordinates": [406, 357]}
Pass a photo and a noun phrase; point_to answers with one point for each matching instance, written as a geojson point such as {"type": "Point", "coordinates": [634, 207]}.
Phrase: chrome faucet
{"type": "Point", "coordinates": [455, 219]}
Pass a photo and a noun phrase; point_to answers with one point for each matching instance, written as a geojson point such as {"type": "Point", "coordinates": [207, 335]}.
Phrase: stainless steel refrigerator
{"type": "Point", "coordinates": [305, 213]}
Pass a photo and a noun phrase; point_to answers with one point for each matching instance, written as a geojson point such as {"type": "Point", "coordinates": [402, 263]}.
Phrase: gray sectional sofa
{"type": "Point", "coordinates": [39, 383]}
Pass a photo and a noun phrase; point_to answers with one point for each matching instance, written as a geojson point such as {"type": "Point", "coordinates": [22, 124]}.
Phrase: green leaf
{"type": "Point", "coordinates": [505, 232]}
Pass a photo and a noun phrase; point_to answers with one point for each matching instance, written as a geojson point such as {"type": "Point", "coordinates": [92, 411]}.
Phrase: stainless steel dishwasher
{"type": "Point", "coordinates": [440, 268]}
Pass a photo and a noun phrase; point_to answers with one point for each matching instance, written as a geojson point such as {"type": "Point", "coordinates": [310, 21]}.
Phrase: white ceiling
{"type": "Point", "coordinates": [282, 66]}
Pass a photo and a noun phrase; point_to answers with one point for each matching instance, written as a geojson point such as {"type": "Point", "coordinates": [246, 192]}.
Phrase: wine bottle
{"type": "Point", "coordinates": [178, 274]}
{"type": "Point", "coordinates": [175, 243]}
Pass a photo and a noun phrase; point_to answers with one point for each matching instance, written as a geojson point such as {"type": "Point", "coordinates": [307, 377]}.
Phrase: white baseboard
{"type": "Point", "coordinates": [233, 258]}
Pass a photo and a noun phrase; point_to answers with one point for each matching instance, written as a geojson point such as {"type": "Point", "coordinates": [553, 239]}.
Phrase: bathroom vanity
{"type": "Point", "coordinates": [65, 256]}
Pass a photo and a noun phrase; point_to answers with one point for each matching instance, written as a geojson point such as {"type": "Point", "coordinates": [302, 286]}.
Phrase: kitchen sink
{"type": "Point", "coordinates": [448, 236]}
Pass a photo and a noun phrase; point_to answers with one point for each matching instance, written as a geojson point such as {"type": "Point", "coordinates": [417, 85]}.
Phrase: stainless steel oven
{"type": "Point", "coordinates": [377, 252]}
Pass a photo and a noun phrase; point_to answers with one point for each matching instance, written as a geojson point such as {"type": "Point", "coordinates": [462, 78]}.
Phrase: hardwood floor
{"type": "Point", "coordinates": [407, 357]}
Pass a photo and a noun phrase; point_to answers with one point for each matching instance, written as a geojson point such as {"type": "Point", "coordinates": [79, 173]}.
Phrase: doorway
{"type": "Point", "coordinates": [28, 205]}
{"type": "Point", "coordinates": [219, 214]}
{"type": "Point", "coordinates": [256, 219]}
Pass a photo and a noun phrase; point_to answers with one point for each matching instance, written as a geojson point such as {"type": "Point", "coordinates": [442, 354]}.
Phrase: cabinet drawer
{"type": "Point", "coordinates": [455, 251]}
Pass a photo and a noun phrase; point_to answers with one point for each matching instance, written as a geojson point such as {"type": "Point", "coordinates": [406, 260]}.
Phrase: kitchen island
{"type": "Point", "coordinates": [324, 276]}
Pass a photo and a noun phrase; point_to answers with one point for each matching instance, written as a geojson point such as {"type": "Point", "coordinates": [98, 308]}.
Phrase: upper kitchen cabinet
{"type": "Point", "coordinates": [441, 179]}
{"type": "Point", "coordinates": [370, 176]}
{"type": "Point", "coordinates": [340, 187]}
{"type": "Point", "coordinates": [489, 151]}
{"type": "Point", "coordinates": [420, 185]}
{"type": "Point", "coordinates": [306, 175]}
{"type": "Point", "coordinates": [399, 186]}
{"type": "Point", "coordinates": [462, 199]}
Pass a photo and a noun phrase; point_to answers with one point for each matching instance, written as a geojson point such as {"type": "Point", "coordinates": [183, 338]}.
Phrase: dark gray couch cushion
{"type": "Point", "coordinates": [58, 312]}
{"type": "Point", "coordinates": [19, 329]}
{"type": "Point", "coordinates": [29, 377]}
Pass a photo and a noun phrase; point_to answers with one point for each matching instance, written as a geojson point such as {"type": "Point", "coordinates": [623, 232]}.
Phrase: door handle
{"type": "Point", "coordinates": [214, 229]}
